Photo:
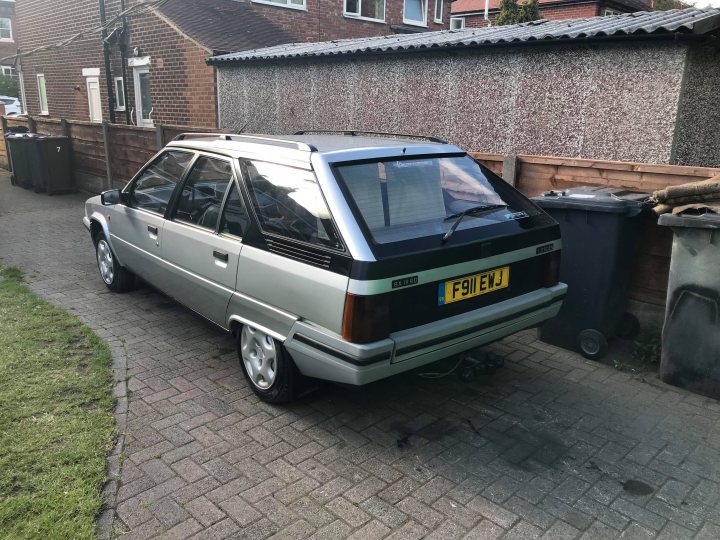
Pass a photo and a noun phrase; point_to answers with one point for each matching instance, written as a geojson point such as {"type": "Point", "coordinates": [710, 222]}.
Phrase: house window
{"type": "Point", "coordinates": [415, 12]}
{"type": "Point", "coordinates": [609, 11]}
{"type": "Point", "coordinates": [42, 94]}
{"type": "Point", "coordinates": [438, 11]}
{"type": "Point", "coordinates": [297, 4]}
{"type": "Point", "coordinates": [373, 10]}
{"type": "Point", "coordinates": [457, 23]}
{"type": "Point", "coordinates": [5, 30]}
{"type": "Point", "coordinates": [8, 71]}
{"type": "Point", "coordinates": [119, 94]}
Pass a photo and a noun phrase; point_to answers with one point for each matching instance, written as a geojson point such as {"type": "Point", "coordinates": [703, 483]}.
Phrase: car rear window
{"type": "Point", "coordinates": [408, 198]}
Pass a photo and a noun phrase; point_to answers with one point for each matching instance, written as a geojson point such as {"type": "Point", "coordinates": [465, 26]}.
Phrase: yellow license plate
{"type": "Point", "coordinates": [466, 287]}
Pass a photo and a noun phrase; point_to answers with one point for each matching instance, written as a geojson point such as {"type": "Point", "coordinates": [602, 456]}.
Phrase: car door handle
{"type": "Point", "coordinates": [152, 230]}
{"type": "Point", "coordinates": [220, 256]}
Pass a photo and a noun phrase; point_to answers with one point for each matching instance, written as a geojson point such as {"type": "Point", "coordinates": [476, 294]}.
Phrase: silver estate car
{"type": "Point", "coordinates": [343, 257]}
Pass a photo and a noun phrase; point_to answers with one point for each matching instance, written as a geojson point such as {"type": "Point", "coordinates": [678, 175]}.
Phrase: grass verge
{"type": "Point", "coordinates": [56, 421]}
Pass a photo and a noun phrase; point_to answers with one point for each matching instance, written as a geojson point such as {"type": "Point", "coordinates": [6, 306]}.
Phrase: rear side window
{"type": "Point", "coordinates": [155, 186]}
{"type": "Point", "coordinates": [289, 203]}
{"type": "Point", "coordinates": [203, 192]}
{"type": "Point", "coordinates": [402, 199]}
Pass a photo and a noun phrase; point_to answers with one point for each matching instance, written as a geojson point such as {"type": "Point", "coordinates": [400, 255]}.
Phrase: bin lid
{"type": "Point", "coordinates": [707, 220]}
{"type": "Point", "coordinates": [595, 199]}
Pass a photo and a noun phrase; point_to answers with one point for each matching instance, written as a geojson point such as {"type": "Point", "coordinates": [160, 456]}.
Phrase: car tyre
{"type": "Point", "coordinates": [268, 368]}
{"type": "Point", "coordinates": [592, 344]}
{"type": "Point", "coordinates": [117, 278]}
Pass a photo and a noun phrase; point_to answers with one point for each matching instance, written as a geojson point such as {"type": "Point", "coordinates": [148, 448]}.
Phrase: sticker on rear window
{"type": "Point", "coordinates": [516, 215]}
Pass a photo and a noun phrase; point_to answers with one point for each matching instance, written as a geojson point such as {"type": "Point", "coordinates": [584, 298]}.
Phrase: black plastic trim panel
{"type": "Point", "coordinates": [332, 351]}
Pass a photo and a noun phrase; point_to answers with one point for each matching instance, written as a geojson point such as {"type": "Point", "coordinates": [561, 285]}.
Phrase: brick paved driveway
{"type": "Point", "coordinates": [544, 448]}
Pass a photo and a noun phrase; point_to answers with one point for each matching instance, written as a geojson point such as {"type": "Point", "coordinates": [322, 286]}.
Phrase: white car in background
{"type": "Point", "coordinates": [12, 105]}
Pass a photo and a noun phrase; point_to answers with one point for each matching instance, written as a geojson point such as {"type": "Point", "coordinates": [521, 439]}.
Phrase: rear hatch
{"type": "Point", "coordinates": [449, 237]}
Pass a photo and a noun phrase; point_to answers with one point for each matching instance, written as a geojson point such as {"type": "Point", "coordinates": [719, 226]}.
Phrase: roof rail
{"type": "Point", "coordinates": [259, 139]}
{"type": "Point", "coordinates": [355, 133]}
{"type": "Point", "coordinates": [184, 136]}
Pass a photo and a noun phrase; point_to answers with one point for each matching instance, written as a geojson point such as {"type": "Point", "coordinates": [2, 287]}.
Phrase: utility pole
{"type": "Point", "coordinates": [106, 57]}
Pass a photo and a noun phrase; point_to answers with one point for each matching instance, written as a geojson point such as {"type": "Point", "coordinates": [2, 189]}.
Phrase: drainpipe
{"type": "Point", "coordinates": [487, 8]}
{"type": "Point", "coordinates": [108, 73]}
{"type": "Point", "coordinates": [21, 80]}
{"type": "Point", "coordinates": [123, 59]}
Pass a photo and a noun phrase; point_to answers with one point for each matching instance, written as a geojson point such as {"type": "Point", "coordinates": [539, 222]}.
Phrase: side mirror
{"type": "Point", "coordinates": [110, 197]}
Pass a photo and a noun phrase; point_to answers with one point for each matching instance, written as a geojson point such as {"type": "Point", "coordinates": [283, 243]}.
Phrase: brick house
{"type": "Point", "coordinates": [471, 13]}
{"type": "Point", "coordinates": [157, 70]}
{"type": "Point", "coordinates": [8, 41]}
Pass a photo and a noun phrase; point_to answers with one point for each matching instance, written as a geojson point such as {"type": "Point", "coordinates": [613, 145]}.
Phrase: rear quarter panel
{"type": "Point", "coordinates": [282, 284]}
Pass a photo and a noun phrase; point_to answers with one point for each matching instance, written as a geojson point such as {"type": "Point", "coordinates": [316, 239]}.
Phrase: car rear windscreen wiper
{"type": "Point", "coordinates": [468, 211]}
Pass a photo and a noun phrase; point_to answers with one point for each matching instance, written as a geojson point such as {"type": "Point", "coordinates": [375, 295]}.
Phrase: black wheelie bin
{"type": "Point", "coordinates": [599, 229]}
{"type": "Point", "coordinates": [52, 168]}
{"type": "Point", "coordinates": [21, 154]}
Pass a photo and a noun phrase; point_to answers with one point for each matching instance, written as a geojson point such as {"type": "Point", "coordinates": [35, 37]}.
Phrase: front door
{"type": "Point", "coordinates": [93, 92]}
{"type": "Point", "coordinates": [143, 99]}
{"type": "Point", "coordinates": [136, 228]}
{"type": "Point", "coordinates": [201, 241]}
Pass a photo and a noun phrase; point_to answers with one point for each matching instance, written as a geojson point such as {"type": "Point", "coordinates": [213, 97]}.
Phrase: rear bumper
{"type": "Point", "coordinates": [324, 355]}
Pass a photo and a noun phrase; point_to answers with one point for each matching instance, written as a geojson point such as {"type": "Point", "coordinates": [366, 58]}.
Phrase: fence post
{"type": "Point", "coordinates": [509, 169]}
{"type": "Point", "coordinates": [64, 128]}
{"type": "Point", "coordinates": [159, 136]}
{"type": "Point", "coordinates": [4, 124]}
{"type": "Point", "coordinates": [32, 126]}
{"type": "Point", "coordinates": [106, 144]}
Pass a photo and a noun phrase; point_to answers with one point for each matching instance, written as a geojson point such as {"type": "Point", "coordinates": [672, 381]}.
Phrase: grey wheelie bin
{"type": "Point", "coordinates": [599, 229]}
{"type": "Point", "coordinates": [691, 333]}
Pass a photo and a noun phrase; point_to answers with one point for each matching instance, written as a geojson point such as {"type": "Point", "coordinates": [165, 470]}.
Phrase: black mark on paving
{"type": "Point", "coordinates": [636, 487]}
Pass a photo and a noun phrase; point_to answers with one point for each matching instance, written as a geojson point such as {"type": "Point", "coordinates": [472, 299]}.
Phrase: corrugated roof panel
{"type": "Point", "coordinates": [627, 24]}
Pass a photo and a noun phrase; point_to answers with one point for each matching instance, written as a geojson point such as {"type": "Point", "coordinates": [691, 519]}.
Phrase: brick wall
{"type": "Point", "coordinates": [182, 85]}
{"type": "Point", "coordinates": [324, 20]}
{"type": "Point", "coordinates": [8, 48]}
{"type": "Point", "coordinates": [552, 12]}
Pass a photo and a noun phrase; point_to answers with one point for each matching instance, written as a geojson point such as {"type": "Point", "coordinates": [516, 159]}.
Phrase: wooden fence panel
{"type": "Point", "coordinates": [537, 174]}
{"type": "Point", "coordinates": [88, 148]}
{"type": "Point", "coordinates": [130, 148]}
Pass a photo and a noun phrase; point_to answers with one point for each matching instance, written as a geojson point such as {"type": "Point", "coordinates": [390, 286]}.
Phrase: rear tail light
{"type": "Point", "coordinates": [366, 318]}
{"type": "Point", "coordinates": [551, 269]}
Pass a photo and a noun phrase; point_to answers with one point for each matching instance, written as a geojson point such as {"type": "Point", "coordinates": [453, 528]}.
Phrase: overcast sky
{"type": "Point", "coordinates": [706, 3]}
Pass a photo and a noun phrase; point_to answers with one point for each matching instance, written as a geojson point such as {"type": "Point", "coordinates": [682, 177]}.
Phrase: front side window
{"type": "Point", "coordinates": [287, 3]}
{"type": "Point", "coordinates": [5, 29]}
{"type": "Point", "coordinates": [42, 94]}
{"type": "Point", "coordinates": [203, 192]}
{"type": "Point", "coordinates": [289, 203]}
{"type": "Point", "coordinates": [418, 197]}
{"type": "Point", "coordinates": [366, 9]}
{"type": "Point", "coordinates": [154, 187]}
{"type": "Point", "coordinates": [415, 12]}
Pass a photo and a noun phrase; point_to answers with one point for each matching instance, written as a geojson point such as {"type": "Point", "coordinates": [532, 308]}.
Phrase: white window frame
{"type": "Point", "coordinates": [351, 15]}
{"type": "Point", "coordinates": [120, 91]}
{"type": "Point", "coordinates": [610, 11]}
{"type": "Point", "coordinates": [454, 20]}
{"type": "Point", "coordinates": [8, 71]}
{"type": "Point", "coordinates": [438, 3]}
{"type": "Point", "coordinates": [424, 5]}
{"type": "Point", "coordinates": [283, 4]}
{"type": "Point", "coordinates": [42, 94]}
{"type": "Point", "coordinates": [9, 28]}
